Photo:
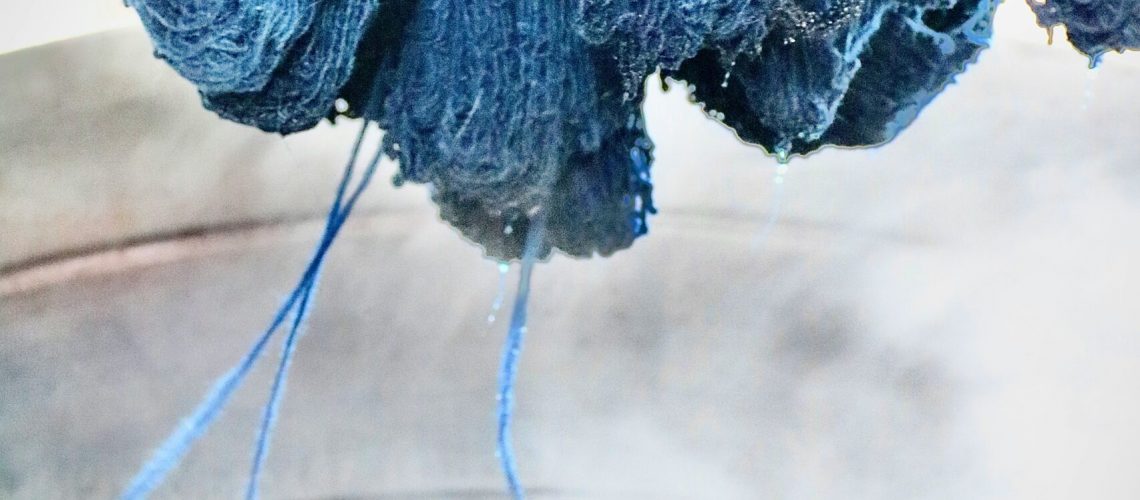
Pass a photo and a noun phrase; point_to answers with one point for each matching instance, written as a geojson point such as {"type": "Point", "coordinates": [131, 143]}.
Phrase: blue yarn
{"type": "Point", "coordinates": [273, 64]}
{"type": "Point", "coordinates": [501, 107]}
{"type": "Point", "coordinates": [503, 104]}
{"type": "Point", "coordinates": [508, 107]}
{"type": "Point", "coordinates": [170, 453]}
{"type": "Point", "coordinates": [224, 46]}
{"type": "Point", "coordinates": [855, 77]}
{"type": "Point", "coordinates": [1095, 27]}
{"type": "Point", "coordinates": [304, 86]}
{"type": "Point", "coordinates": [511, 349]}
{"type": "Point", "coordinates": [269, 416]}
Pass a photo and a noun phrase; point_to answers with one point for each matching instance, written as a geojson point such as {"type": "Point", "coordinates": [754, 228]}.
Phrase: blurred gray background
{"type": "Point", "coordinates": [955, 315]}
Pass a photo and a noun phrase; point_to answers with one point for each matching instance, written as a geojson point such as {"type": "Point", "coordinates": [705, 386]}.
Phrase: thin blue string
{"type": "Point", "coordinates": [269, 416]}
{"type": "Point", "coordinates": [511, 349]}
{"type": "Point", "coordinates": [170, 453]}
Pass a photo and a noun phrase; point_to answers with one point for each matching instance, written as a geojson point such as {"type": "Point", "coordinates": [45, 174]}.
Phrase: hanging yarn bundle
{"type": "Point", "coordinates": [524, 116]}
{"type": "Point", "coordinates": [505, 105]}
{"type": "Point", "coordinates": [1095, 27]}
{"type": "Point", "coordinates": [504, 111]}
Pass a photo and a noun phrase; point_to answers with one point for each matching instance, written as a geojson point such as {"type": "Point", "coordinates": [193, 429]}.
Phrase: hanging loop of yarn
{"type": "Point", "coordinates": [297, 305]}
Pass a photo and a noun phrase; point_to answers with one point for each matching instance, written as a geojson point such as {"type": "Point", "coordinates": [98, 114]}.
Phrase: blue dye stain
{"type": "Point", "coordinates": [524, 116]}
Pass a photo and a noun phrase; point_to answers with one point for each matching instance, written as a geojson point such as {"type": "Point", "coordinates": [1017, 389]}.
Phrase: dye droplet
{"type": "Point", "coordinates": [1090, 89]}
{"type": "Point", "coordinates": [783, 151]}
{"type": "Point", "coordinates": [774, 207]}
{"type": "Point", "coordinates": [501, 292]}
{"type": "Point", "coordinates": [781, 171]}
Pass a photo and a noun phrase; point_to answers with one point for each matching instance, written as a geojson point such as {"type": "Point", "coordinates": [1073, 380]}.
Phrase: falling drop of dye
{"type": "Point", "coordinates": [781, 172]}
{"type": "Point", "coordinates": [501, 292]}
{"type": "Point", "coordinates": [774, 207]}
{"type": "Point", "coordinates": [783, 151]}
{"type": "Point", "coordinates": [1089, 96]}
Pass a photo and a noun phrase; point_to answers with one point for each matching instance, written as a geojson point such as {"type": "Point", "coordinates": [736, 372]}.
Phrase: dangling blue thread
{"type": "Point", "coordinates": [511, 349]}
{"type": "Point", "coordinates": [269, 417]}
{"type": "Point", "coordinates": [170, 453]}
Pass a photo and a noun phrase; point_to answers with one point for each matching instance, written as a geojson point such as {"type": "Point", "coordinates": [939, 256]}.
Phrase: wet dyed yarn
{"type": "Point", "coordinates": [276, 65]}
{"type": "Point", "coordinates": [524, 116]}
{"type": "Point", "coordinates": [854, 73]}
{"type": "Point", "coordinates": [504, 110]}
{"type": "Point", "coordinates": [296, 306]}
{"type": "Point", "coordinates": [793, 75]}
{"type": "Point", "coordinates": [299, 92]}
{"type": "Point", "coordinates": [512, 348]}
{"type": "Point", "coordinates": [1094, 27]}
{"type": "Point", "coordinates": [505, 105]}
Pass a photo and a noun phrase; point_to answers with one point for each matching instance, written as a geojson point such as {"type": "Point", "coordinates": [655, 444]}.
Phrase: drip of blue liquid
{"type": "Point", "coordinates": [511, 350]}
{"type": "Point", "coordinates": [1089, 96]}
{"type": "Point", "coordinates": [297, 305]}
{"type": "Point", "coordinates": [501, 292]}
{"type": "Point", "coordinates": [774, 207]}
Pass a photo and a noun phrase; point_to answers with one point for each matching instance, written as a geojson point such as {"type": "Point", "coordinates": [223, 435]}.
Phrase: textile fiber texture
{"type": "Point", "coordinates": [1094, 26]}
{"type": "Point", "coordinates": [511, 107]}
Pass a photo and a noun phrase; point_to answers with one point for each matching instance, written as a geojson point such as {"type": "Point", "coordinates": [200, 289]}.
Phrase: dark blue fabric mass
{"type": "Point", "coordinates": [851, 73]}
{"type": "Point", "coordinates": [304, 86]}
{"type": "Point", "coordinates": [276, 65]}
{"type": "Point", "coordinates": [1094, 26]}
{"type": "Point", "coordinates": [224, 45]}
{"type": "Point", "coordinates": [524, 116]}
{"type": "Point", "coordinates": [510, 107]}
{"type": "Point", "coordinates": [505, 111]}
